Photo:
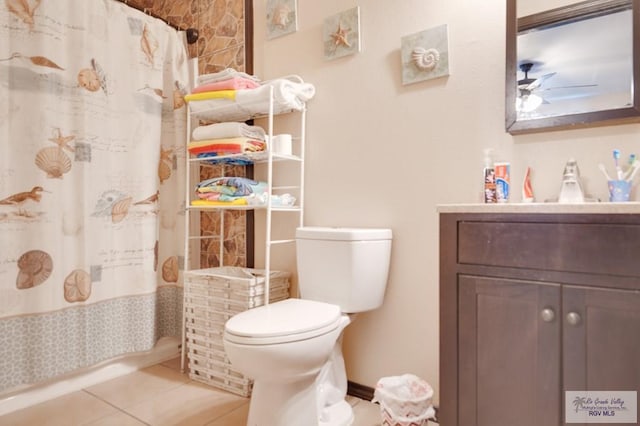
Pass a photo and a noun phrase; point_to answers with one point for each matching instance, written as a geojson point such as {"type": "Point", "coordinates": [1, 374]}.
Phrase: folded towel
{"type": "Point", "coordinates": [224, 75]}
{"type": "Point", "coordinates": [232, 186]}
{"type": "Point", "coordinates": [233, 83]}
{"type": "Point", "coordinates": [226, 146]}
{"type": "Point", "coordinates": [220, 94]}
{"type": "Point", "coordinates": [221, 149]}
{"type": "Point", "coordinates": [213, 203]}
{"type": "Point", "coordinates": [227, 130]}
{"type": "Point", "coordinates": [212, 158]}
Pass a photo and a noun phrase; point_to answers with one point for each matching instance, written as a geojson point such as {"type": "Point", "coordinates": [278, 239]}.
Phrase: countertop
{"type": "Point", "coordinates": [555, 208]}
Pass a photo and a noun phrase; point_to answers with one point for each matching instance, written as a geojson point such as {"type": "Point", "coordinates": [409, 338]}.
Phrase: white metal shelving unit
{"type": "Point", "coordinates": [232, 113]}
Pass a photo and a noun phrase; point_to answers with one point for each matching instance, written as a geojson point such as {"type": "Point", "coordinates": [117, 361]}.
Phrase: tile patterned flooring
{"type": "Point", "coordinates": [158, 395]}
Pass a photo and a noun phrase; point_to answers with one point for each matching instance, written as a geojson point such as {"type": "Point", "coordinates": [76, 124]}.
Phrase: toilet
{"type": "Point", "coordinates": [292, 349]}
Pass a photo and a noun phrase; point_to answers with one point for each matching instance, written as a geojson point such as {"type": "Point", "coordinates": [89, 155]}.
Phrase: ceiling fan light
{"type": "Point", "coordinates": [528, 103]}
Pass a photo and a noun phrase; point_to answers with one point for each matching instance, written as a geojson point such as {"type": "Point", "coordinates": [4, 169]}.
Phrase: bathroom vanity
{"type": "Point", "coordinates": [536, 300]}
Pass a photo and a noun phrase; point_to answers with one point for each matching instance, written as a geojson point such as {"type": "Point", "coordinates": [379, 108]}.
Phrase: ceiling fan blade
{"type": "Point", "coordinates": [538, 82]}
{"type": "Point", "coordinates": [576, 86]}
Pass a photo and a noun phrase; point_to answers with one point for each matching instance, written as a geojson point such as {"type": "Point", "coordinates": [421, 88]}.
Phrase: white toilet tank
{"type": "Point", "coordinates": [348, 267]}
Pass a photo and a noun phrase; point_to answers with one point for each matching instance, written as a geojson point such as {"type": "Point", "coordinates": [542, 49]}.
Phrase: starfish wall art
{"type": "Point", "coordinates": [341, 34]}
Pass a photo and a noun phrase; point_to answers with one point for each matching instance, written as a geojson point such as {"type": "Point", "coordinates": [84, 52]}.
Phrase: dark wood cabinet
{"type": "Point", "coordinates": [532, 305]}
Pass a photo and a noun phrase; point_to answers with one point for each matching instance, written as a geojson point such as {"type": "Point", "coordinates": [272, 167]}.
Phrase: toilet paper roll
{"type": "Point", "coordinates": [282, 144]}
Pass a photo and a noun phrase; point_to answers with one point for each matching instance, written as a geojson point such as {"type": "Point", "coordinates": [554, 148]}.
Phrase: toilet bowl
{"type": "Point", "coordinates": [297, 366]}
{"type": "Point", "coordinates": [292, 349]}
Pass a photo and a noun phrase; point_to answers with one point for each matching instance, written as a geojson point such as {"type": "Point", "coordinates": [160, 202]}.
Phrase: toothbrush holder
{"type": "Point", "coordinates": [619, 190]}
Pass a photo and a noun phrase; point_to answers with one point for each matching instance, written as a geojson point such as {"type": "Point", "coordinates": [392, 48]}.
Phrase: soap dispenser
{"type": "Point", "coordinates": [571, 189]}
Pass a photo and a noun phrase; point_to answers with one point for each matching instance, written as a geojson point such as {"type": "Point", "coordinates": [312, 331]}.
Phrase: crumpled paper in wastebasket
{"type": "Point", "coordinates": [404, 400]}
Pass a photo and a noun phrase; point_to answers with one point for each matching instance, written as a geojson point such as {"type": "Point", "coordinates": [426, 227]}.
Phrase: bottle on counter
{"type": "Point", "coordinates": [489, 178]}
{"type": "Point", "coordinates": [503, 181]}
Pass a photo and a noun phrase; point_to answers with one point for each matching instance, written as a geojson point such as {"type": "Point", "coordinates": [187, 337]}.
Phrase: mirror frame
{"type": "Point", "coordinates": [570, 121]}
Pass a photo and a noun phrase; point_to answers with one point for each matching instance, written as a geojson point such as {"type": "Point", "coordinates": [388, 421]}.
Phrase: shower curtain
{"type": "Point", "coordinates": [92, 128]}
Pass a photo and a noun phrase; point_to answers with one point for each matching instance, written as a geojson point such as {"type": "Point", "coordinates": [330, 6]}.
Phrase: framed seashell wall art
{"type": "Point", "coordinates": [341, 34]}
{"type": "Point", "coordinates": [282, 18]}
{"type": "Point", "coordinates": [425, 55]}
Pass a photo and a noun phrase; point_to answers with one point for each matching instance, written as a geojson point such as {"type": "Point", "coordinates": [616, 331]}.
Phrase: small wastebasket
{"type": "Point", "coordinates": [404, 400]}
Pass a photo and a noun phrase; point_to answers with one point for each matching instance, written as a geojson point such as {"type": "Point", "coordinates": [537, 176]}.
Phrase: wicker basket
{"type": "Point", "coordinates": [211, 297]}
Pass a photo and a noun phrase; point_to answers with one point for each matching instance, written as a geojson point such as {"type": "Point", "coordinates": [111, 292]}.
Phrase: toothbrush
{"type": "Point", "coordinates": [603, 169]}
{"type": "Point", "coordinates": [636, 166]}
{"type": "Point", "coordinates": [632, 165]}
{"type": "Point", "coordinates": [616, 157]}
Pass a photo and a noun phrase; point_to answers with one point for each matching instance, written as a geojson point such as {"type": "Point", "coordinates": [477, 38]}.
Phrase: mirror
{"type": "Point", "coordinates": [572, 66]}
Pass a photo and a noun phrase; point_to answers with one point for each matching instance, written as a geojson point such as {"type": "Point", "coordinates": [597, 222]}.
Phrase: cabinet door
{"type": "Point", "coordinates": [601, 339]}
{"type": "Point", "coordinates": [509, 352]}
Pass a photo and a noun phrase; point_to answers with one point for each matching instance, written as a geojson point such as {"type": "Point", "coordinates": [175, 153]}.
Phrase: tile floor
{"type": "Point", "coordinates": [157, 395]}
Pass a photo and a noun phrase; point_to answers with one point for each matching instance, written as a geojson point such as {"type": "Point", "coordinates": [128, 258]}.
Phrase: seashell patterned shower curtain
{"type": "Point", "coordinates": [92, 127]}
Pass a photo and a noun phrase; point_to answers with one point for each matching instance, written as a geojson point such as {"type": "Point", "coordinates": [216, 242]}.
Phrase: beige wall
{"type": "Point", "coordinates": [381, 154]}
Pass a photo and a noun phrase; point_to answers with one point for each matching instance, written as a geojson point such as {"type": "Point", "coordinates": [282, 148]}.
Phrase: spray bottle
{"type": "Point", "coordinates": [489, 178]}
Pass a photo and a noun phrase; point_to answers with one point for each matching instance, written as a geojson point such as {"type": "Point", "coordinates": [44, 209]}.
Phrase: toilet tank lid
{"type": "Point", "coordinates": [342, 234]}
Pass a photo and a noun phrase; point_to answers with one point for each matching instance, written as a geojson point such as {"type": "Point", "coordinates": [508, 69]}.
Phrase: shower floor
{"type": "Point", "coordinates": [156, 395]}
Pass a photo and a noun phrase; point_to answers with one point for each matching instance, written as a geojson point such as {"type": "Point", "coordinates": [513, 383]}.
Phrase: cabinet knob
{"type": "Point", "coordinates": [547, 315]}
{"type": "Point", "coordinates": [573, 318]}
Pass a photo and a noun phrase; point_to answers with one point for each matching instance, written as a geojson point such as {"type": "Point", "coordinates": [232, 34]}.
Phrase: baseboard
{"type": "Point", "coordinates": [366, 393]}
{"type": "Point", "coordinates": [359, 391]}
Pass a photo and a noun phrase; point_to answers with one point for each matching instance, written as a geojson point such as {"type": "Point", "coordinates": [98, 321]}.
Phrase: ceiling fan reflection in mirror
{"type": "Point", "coordinates": [527, 101]}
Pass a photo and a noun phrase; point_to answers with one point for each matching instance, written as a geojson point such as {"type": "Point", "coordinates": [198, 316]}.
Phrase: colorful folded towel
{"type": "Point", "coordinates": [226, 146]}
{"type": "Point", "coordinates": [232, 186]}
{"type": "Point", "coordinates": [220, 94]}
{"type": "Point", "coordinates": [205, 203]}
{"type": "Point", "coordinates": [233, 83]}
{"type": "Point", "coordinates": [221, 149]}
{"type": "Point", "coordinates": [212, 158]}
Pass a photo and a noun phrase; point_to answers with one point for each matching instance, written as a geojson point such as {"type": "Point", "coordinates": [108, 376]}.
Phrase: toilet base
{"type": "Point", "coordinates": [283, 404]}
{"type": "Point", "coordinates": [295, 404]}
{"type": "Point", "coordinates": [340, 414]}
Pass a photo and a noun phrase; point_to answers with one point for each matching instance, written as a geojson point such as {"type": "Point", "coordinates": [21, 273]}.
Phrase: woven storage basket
{"type": "Point", "coordinates": [211, 297]}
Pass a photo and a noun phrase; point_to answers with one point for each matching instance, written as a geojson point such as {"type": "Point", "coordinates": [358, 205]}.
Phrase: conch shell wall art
{"type": "Point", "coordinates": [425, 59]}
{"type": "Point", "coordinates": [425, 55]}
{"type": "Point", "coordinates": [282, 18]}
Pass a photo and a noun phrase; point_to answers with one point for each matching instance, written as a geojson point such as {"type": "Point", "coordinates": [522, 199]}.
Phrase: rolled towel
{"type": "Point", "coordinates": [287, 93]}
{"type": "Point", "coordinates": [290, 92]}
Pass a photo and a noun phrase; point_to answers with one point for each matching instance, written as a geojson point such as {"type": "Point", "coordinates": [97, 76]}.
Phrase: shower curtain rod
{"type": "Point", "coordinates": [192, 33]}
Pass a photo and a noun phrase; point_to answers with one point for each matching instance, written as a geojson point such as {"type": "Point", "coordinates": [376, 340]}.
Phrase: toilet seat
{"type": "Point", "coordinates": [287, 321]}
